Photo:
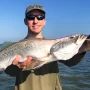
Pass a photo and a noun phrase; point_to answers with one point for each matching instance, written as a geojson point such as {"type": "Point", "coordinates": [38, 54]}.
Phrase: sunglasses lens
{"type": "Point", "coordinates": [40, 17]}
{"type": "Point", "coordinates": [32, 17]}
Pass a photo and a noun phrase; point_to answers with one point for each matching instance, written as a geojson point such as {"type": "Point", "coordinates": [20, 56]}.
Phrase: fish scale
{"type": "Point", "coordinates": [43, 51]}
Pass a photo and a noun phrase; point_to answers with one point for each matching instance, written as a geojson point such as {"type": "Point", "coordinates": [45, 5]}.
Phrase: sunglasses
{"type": "Point", "coordinates": [32, 17]}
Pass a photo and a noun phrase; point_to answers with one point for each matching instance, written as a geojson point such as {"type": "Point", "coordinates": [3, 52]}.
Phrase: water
{"type": "Point", "coordinates": [76, 77]}
{"type": "Point", "coordinates": [6, 82]}
{"type": "Point", "coordinates": [72, 78]}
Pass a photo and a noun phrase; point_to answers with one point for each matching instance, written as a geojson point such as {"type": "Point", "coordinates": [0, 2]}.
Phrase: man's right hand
{"type": "Point", "coordinates": [24, 64]}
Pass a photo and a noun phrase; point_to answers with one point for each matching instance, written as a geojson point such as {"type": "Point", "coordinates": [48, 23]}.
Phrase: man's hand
{"type": "Point", "coordinates": [24, 64]}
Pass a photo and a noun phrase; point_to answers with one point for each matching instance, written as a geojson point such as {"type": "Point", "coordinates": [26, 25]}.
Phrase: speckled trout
{"type": "Point", "coordinates": [42, 51]}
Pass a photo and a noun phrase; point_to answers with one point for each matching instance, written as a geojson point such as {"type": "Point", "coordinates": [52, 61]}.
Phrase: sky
{"type": "Point", "coordinates": [63, 18]}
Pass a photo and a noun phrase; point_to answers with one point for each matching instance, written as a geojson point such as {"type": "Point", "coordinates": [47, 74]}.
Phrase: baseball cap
{"type": "Point", "coordinates": [34, 7]}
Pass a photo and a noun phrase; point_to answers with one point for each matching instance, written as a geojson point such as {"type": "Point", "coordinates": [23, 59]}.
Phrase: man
{"type": "Point", "coordinates": [46, 77]}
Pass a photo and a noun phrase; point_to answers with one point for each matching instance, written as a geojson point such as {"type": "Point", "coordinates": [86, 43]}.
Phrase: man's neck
{"type": "Point", "coordinates": [34, 35]}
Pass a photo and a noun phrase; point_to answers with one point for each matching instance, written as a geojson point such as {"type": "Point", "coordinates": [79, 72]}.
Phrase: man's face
{"type": "Point", "coordinates": [35, 21]}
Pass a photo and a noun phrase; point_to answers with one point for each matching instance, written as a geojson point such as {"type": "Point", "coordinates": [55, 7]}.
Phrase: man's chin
{"type": "Point", "coordinates": [35, 32]}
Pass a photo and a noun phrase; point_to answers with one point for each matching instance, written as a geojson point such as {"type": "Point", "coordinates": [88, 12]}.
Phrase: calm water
{"type": "Point", "coordinates": [76, 77]}
{"type": "Point", "coordinates": [73, 78]}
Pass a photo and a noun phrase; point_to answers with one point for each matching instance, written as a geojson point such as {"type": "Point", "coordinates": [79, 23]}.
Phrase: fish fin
{"type": "Point", "coordinates": [42, 61]}
{"type": "Point", "coordinates": [55, 47]}
{"type": "Point", "coordinates": [37, 64]}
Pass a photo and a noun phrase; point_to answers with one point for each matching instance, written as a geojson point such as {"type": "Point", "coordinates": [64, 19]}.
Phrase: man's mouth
{"type": "Point", "coordinates": [36, 26]}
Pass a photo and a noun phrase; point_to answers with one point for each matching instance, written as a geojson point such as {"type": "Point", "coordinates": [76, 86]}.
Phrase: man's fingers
{"type": "Point", "coordinates": [16, 60]}
{"type": "Point", "coordinates": [26, 62]}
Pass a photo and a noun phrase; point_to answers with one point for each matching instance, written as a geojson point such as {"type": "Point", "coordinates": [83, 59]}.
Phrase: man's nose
{"type": "Point", "coordinates": [35, 20]}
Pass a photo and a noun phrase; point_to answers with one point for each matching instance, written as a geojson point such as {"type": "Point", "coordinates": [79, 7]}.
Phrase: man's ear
{"type": "Point", "coordinates": [25, 21]}
{"type": "Point", "coordinates": [45, 22]}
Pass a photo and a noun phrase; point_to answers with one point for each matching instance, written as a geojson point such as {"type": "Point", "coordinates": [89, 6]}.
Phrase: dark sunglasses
{"type": "Point", "coordinates": [32, 17]}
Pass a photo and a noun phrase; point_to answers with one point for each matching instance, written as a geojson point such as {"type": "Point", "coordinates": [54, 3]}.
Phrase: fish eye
{"type": "Point", "coordinates": [71, 37]}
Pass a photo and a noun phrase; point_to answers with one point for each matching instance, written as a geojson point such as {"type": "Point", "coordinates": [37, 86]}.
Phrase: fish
{"type": "Point", "coordinates": [42, 51]}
